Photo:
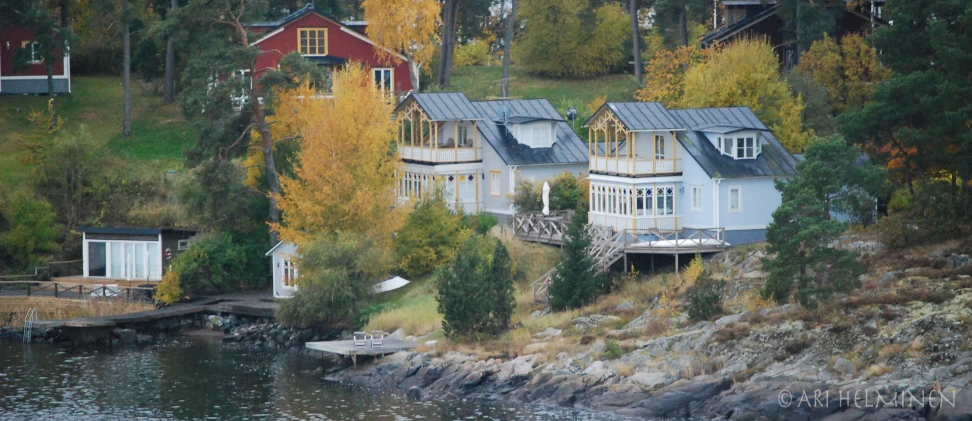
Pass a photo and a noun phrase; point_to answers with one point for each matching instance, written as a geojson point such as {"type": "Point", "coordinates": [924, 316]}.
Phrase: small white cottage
{"type": "Point", "coordinates": [284, 269]}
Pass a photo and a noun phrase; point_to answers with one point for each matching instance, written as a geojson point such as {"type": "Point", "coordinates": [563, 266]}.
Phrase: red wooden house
{"type": "Point", "coordinates": [330, 43]}
{"type": "Point", "coordinates": [33, 79]}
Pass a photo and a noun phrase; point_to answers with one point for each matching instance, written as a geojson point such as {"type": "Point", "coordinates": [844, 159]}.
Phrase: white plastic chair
{"type": "Point", "coordinates": [377, 339]}
{"type": "Point", "coordinates": [360, 340]}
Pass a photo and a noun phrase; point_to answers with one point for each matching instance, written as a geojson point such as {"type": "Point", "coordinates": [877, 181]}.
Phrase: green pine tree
{"type": "Point", "coordinates": [804, 264]}
{"type": "Point", "coordinates": [475, 291]}
{"type": "Point", "coordinates": [577, 281]}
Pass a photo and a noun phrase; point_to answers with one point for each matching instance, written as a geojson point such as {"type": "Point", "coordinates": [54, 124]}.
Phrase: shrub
{"type": "Point", "coordinates": [31, 229]}
{"type": "Point", "coordinates": [612, 350]}
{"type": "Point", "coordinates": [475, 291]}
{"type": "Point", "coordinates": [337, 274]}
{"type": "Point", "coordinates": [567, 192]}
{"type": "Point", "coordinates": [932, 214]}
{"type": "Point", "coordinates": [528, 196]}
{"type": "Point", "coordinates": [220, 262]}
{"type": "Point", "coordinates": [577, 281]}
{"type": "Point", "coordinates": [430, 237]}
{"type": "Point", "coordinates": [473, 53]}
{"type": "Point", "coordinates": [481, 222]}
{"type": "Point", "coordinates": [705, 298]}
{"type": "Point", "coordinates": [168, 291]}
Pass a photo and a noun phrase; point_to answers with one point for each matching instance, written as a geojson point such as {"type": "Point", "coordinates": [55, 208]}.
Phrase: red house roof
{"type": "Point", "coordinates": [327, 41]}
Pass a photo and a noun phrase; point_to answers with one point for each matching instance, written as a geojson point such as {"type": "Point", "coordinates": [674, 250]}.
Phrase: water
{"type": "Point", "coordinates": [192, 380]}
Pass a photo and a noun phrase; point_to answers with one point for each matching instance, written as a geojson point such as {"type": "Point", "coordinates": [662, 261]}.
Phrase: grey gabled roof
{"type": "Point", "coordinates": [699, 118]}
{"type": "Point", "coordinates": [773, 161]}
{"type": "Point", "coordinates": [523, 109]}
{"type": "Point", "coordinates": [567, 149]}
{"type": "Point", "coordinates": [719, 128]}
{"type": "Point", "coordinates": [640, 116]}
{"type": "Point", "coordinates": [133, 231]}
{"type": "Point", "coordinates": [444, 106]}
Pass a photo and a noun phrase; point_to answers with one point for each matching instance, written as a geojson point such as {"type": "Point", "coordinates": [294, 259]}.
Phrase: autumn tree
{"type": "Point", "coordinates": [850, 71]}
{"type": "Point", "coordinates": [572, 38]}
{"type": "Point", "coordinates": [742, 74]}
{"type": "Point", "coordinates": [430, 236]}
{"type": "Point", "coordinates": [345, 177]}
{"type": "Point", "coordinates": [408, 27]}
{"type": "Point", "coordinates": [918, 120]}
{"type": "Point", "coordinates": [665, 74]}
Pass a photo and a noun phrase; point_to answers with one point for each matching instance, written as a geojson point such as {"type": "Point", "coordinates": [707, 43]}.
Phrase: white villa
{"type": "Point", "coordinates": [480, 150]}
{"type": "Point", "coordinates": [684, 170]}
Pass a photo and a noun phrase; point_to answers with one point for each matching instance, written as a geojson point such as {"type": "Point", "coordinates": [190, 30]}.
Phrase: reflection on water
{"type": "Point", "coordinates": [188, 380]}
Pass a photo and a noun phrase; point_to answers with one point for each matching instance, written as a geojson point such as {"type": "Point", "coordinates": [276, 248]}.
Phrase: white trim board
{"type": "Point", "coordinates": [634, 180]}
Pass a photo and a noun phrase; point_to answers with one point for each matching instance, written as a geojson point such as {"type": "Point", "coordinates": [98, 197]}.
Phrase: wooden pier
{"type": "Point", "coordinates": [347, 348]}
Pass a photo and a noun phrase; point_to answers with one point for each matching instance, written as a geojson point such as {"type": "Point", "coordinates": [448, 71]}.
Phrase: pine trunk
{"type": "Point", "coordinates": [635, 40]}
{"type": "Point", "coordinates": [449, 9]}
{"type": "Point", "coordinates": [508, 47]}
{"type": "Point", "coordinates": [682, 26]}
{"type": "Point", "coordinates": [170, 59]}
{"type": "Point", "coordinates": [273, 183]}
{"type": "Point", "coordinates": [126, 73]}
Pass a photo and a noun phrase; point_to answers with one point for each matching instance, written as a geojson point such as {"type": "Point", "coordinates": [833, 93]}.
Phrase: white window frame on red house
{"type": "Point", "coordinates": [378, 75]}
{"type": "Point", "coordinates": [35, 54]}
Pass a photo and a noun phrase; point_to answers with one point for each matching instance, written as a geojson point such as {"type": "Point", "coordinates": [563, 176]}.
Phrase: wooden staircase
{"type": "Point", "coordinates": [606, 248]}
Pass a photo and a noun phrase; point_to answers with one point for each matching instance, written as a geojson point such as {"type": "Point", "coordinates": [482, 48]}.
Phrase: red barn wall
{"type": "Point", "coordinates": [339, 44]}
{"type": "Point", "coordinates": [15, 35]}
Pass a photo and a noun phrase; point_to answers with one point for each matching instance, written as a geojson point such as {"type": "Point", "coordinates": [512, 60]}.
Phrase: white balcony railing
{"type": "Point", "coordinates": [627, 222]}
{"type": "Point", "coordinates": [635, 166]}
{"type": "Point", "coordinates": [429, 154]}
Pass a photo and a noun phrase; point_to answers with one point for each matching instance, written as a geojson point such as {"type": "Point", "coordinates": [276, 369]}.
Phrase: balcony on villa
{"type": "Point", "coordinates": [623, 146]}
{"type": "Point", "coordinates": [425, 140]}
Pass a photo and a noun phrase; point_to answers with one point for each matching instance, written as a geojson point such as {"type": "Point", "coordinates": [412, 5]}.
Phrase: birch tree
{"type": "Point", "coordinates": [345, 177]}
{"type": "Point", "coordinates": [408, 27]}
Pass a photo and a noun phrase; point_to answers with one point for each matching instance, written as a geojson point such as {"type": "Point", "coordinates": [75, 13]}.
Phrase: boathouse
{"type": "Point", "coordinates": [131, 253]}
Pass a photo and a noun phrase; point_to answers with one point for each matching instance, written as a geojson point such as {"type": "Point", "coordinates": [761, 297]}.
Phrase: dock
{"type": "Point", "coordinates": [347, 348]}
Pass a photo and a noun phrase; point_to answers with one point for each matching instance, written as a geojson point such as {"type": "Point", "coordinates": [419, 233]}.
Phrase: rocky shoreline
{"type": "Point", "coordinates": [897, 349]}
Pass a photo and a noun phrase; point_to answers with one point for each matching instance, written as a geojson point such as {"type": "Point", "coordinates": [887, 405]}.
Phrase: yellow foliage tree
{"type": "Point", "coordinates": [665, 74]}
{"type": "Point", "coordinates": [345, 177]}
{"type": "Point", "coordinates": [746, 74]}
{"type": "Point", "coordinates": [409, 27]}
{"type": "Point", "coordinates": [850, 71]}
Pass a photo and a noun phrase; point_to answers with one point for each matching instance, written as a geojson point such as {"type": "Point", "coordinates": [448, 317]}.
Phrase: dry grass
{"type": "Point", "coordinates": [891, 350]}
{"type": "Point", "coordinates": [624, 369]}
{"type": "Point", "coordinates": [417, 317]}
{"type": "Point", "coordinates": [878, 370]}
{"type": "Point", "coordinates": [699, 365]}
{"type": "Point", "coordinates": [13, 309]}
{"type": "Point", "coordinates": [530, 260]}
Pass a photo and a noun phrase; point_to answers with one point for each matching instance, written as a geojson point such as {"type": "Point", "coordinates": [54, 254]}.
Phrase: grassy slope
{"type": "Point", "coordinates": [160, 132]}
{"type": "Point", "coordinates": [481, 82]}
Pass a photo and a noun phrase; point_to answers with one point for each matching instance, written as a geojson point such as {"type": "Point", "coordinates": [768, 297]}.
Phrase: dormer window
{"type": "Point", "coordinates": [744, 146]}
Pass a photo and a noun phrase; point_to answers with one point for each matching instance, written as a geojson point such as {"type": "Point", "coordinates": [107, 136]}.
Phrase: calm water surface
{"type": "Point", "coordinates": [194, 380]}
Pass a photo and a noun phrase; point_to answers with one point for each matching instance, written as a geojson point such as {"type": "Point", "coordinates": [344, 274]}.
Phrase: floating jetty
{"type": "Point", "coordinates": [347, 348]}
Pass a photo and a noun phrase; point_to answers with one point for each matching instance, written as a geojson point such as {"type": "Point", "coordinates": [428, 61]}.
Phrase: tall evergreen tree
{"type": "Point", "coordinates": [918, 120]}
{"type": "Point", "coordinates": [475, 292]}
{"type": "Point", "coordinates": [577, 280]}
{"type": "Point", "coordinates": [803, 263]}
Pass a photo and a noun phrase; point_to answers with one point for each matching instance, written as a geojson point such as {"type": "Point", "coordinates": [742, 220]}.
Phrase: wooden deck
{"type": "Point", "coordinates": [347, 349]}
{"type": "Point", "coordinates": [73, 281]}
{"type": "Point", "coordinates": [241, 304]}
